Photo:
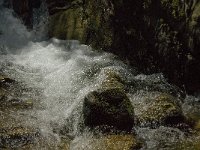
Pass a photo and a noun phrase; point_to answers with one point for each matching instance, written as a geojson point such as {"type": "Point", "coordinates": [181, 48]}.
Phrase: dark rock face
{"type": "Point", "coordinates": [109, 107]}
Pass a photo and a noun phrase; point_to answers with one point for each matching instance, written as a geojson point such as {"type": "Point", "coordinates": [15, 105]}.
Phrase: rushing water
{"type": "Point", "coordinates": [59, 74]}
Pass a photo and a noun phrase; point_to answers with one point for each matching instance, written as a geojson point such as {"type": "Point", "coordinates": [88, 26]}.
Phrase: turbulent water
{"type": "Point", "coordinates": [57, 75]}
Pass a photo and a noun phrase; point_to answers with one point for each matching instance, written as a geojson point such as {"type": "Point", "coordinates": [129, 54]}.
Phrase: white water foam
{"type": "Point", "coordinates": [63, 72]}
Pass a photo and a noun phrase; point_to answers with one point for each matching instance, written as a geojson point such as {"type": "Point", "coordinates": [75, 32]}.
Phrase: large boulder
{"type": "Point", "coordinates": [109, 105]}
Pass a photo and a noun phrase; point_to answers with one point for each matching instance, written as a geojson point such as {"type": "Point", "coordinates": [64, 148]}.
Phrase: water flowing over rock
{"type": "Point", "coordinates": [134, 30]}
{"type": "Point", "coordinates": [157, 108]}
{"type": "Point", "coordinates": [24, 9]}
{"type": "Point", "coordinates": [54, 94]}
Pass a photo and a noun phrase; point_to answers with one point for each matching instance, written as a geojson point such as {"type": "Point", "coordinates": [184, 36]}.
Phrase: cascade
{"type": "Point", "coordinates": [51, 79]}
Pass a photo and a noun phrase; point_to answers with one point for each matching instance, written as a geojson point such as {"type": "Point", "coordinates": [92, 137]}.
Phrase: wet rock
{"type": "Point", "coordinates": [16, 137]}
{"type": "Point", "coordinates": [82, 20]}
{"type": "Point", "coordinates": [112, 80]}
{"type": "Point", "coordinates": [197, 126]}
{"type": "Point", "coordinates": [158, 109]}
{"type": "Point", "coordinates": [2, 94]}
{"type": "Point", "coordinates": [5, 80]}
{"type": "Point", "coordinates": [191, 110]}
{"type": "Point", "coordinates": [107, 142]}
{"type": "Point", "coordinates": [64, 144]}
{"type": "Point", "coordinates": [109, 105]}
{"type": "Point", "coordinates": [188, 144]}
{"type": "Point", "coordinates": [157, 82]}
{"type": "Point", "coordinates": [16, 104]}
{"type": "Point", "coordinates": [9, 95]}
{"type": "Point", "coordinates": [57, 6]}
{"type": "Point", "coordinates": [68, 24]}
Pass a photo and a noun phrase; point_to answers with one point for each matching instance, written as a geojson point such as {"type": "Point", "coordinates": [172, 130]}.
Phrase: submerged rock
{"type": "Point", "coordinates": [158, 109]}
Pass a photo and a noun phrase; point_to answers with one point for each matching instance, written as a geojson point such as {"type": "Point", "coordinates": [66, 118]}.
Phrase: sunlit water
{"type": "Point", "coordinates": [60, 74]}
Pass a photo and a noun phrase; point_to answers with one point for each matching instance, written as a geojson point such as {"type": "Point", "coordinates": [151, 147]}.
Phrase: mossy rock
{"type": "Point", "coordinates": [160, 109]}
{"type": "Point", "coordinates": [16, 137]}
{"type": "Point", "coordinates": [110, 107]}
{"type": "Point", "coordinates": [109, 142]}
{"type": "Point", "coordinates": [112, 80]}
{"type": "Point", "coordinates": [118, 142]}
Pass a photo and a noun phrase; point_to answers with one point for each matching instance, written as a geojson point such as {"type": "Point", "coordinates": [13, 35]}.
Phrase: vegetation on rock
{"type": "Point", "coordinates": [109, 106]}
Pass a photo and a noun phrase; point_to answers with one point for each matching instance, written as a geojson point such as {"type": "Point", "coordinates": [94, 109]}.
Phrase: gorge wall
{"type": "Point", "coordinates": [151, 35]}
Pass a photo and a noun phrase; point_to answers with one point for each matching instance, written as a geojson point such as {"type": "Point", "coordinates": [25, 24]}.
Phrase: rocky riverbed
{"type": "Point", "coordinates": [61, 94]}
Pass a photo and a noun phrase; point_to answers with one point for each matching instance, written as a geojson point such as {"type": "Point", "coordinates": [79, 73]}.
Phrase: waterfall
{"type": "Point", "coordinates": [13, 33]}
{"type": "Point", "coordinates": [40, 22]}
{"type": "Point", "coordinates": [58, 74]}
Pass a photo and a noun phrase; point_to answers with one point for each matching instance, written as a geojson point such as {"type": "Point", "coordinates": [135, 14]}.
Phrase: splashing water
{"type": "Point", "coordinates": [60, 73]}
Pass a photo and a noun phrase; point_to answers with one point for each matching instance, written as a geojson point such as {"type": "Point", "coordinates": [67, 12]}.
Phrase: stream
{"type": "Point", "coordinates": [51, 78]}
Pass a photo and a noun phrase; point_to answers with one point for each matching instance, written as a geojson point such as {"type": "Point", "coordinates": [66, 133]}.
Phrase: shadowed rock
{"type": "Point", "coordinates": [109, 106]}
